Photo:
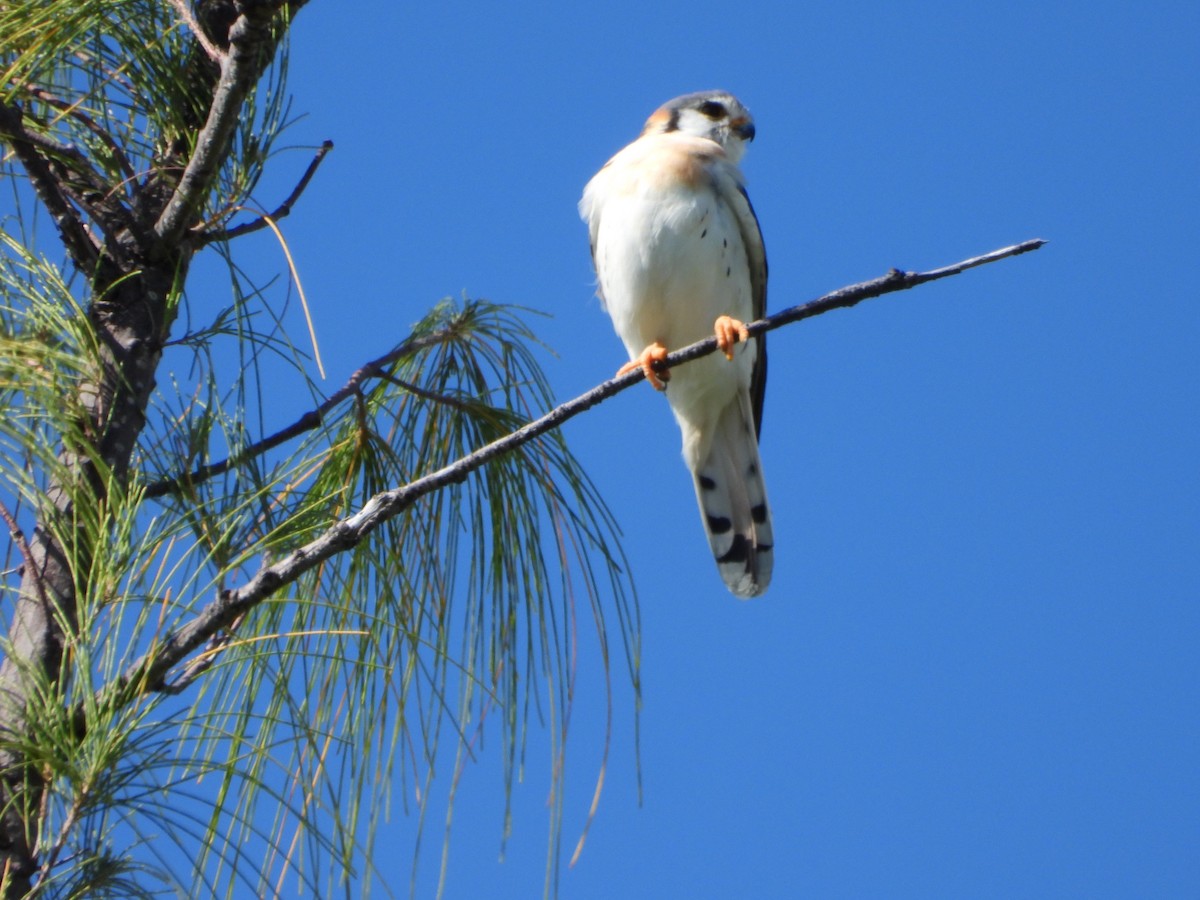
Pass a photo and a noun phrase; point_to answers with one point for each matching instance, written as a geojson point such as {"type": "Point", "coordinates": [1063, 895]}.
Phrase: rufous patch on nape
{"type": "Point", "coordinates": [679, 257]}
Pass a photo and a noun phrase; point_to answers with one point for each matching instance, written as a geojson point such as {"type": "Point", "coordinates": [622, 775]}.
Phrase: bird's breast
{"type": "Point", "coordinates": [670, 262]}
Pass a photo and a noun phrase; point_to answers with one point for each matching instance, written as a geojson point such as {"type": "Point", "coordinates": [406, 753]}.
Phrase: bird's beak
{"type": "Point", "coordinates": [744, 129]}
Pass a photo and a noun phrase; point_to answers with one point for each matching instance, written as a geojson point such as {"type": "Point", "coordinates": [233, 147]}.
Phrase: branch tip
{"type": "Point", "coordinates": [227, 234]}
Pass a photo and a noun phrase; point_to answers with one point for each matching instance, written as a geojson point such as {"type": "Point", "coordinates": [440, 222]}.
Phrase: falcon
{"type": "Point", "coordinates": [679, 257]}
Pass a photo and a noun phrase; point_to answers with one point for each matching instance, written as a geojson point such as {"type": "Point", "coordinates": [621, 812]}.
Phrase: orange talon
{"type": "Point", "coordinates": [645, 361]}
{"type": "Point", "coordinates": [729, 331]}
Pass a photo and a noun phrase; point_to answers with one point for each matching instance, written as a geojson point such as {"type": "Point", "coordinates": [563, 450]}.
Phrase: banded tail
{"type": "Point", "coordinates": [733, 503]}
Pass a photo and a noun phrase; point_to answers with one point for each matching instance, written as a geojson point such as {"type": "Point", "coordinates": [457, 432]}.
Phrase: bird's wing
{"type": "Point", "coordinates": [733, 192]}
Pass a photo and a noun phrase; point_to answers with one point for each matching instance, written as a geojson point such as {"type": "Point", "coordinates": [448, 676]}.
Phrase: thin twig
{"type": "Point", "coordinates": [199, 665]}
{"type": "Point", "coordinates": [64, 832]}
{"type": "Point", "coordinates": [18, 537]}
{"type": "Point", "coordinates": [149, 672]}
{"type": "Point", "coordinates": [376, 368]}
{"type": "Point", "coordinates": [73, 110]}
{"type": "Point", "coordinates": [284, 208]}
{"type": "Point", "coordinates": [215, 53]}
{"type": "Point", "coordinates": [432, 396]}
{"type": "Point", "coordinates": [46, 143]}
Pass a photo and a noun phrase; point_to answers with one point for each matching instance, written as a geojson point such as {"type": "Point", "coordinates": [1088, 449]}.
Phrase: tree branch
{"type": "Point", "coordinates": [184, 11]}
{"type": "Point", "coordinates": [376, 368]}
{"type": "Point", "coordinates": [28, 561]}
{"type": "Point", "coordinates": [284, 208]}
{"type": "Point", "coordinates": [249, 40]}
{"type": "Point", "coordinates": [150, 672]}
{"type": "Point", "coordinates": [74, 234]}
{"type": "Point", "coordinates": [62, 174]}
{"type": "Point", "coordinates": [73, 110]}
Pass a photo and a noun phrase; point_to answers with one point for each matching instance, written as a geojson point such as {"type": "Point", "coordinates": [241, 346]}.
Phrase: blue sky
{"type": "Point", "coordinates": [976, 671]}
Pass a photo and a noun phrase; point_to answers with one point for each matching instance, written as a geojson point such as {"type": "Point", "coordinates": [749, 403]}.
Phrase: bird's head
{"type": "Point", "coordinates": [716, 115]}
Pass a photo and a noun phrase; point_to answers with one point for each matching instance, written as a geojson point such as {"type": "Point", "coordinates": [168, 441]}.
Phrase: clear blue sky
{"type": "Point", "coordinates": [976, 673]}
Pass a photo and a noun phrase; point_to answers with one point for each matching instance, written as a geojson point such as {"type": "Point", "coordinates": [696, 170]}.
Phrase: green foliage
{"type": "Point", "coordinates": [121, 85]}
{"type": "Point", "coordinates": [263, 761]}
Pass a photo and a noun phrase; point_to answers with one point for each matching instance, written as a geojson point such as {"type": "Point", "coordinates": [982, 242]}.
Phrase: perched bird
{"type": "Point", "coordinates": [679, 256]}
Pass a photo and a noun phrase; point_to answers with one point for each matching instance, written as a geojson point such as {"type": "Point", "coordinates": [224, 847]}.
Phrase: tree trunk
{"type": "Point", "coordinates": [130, 326]}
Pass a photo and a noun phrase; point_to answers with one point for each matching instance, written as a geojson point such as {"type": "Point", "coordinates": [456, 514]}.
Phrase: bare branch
{"type": "Point", "coordinates": [184, 11]}
{"type": "Point", "coordinates": [73, 110]}
{"type": "Point", "coordinates": [75, 236]}
{"type": "Point", "coordinates": [249, 42]}
{"type": "Point", "coordinates": [18, 536]}
{"type": "Point", "coordinates": [200, 664]}
{"type": "Point", "coordinates": [846, 297]}
{"type": "Point", "coordinates": [376, 368]}
{"type": "Point", "coordinates": [284, 208]}
{"type": "Point", "coordinates": [431, 396]}
{"type": "Point", "coordinates": [149, 673]}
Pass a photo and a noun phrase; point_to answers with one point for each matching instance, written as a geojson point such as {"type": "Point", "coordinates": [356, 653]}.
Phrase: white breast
{"type": "Point", "coordinates": [670, 259]}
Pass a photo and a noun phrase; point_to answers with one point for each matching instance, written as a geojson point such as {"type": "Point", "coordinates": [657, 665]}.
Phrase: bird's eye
{"type": "Point", "coordinates": [712, 109]}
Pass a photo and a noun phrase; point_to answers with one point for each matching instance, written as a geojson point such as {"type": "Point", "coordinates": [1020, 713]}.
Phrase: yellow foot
{"type": "Point", "coordinates": [729, 331]}
{"type": "Point", "coordinates": [645, 361]}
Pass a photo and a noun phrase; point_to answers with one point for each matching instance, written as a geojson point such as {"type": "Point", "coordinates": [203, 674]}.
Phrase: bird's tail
{"type": "Point", "coordinates": [733, 503]}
